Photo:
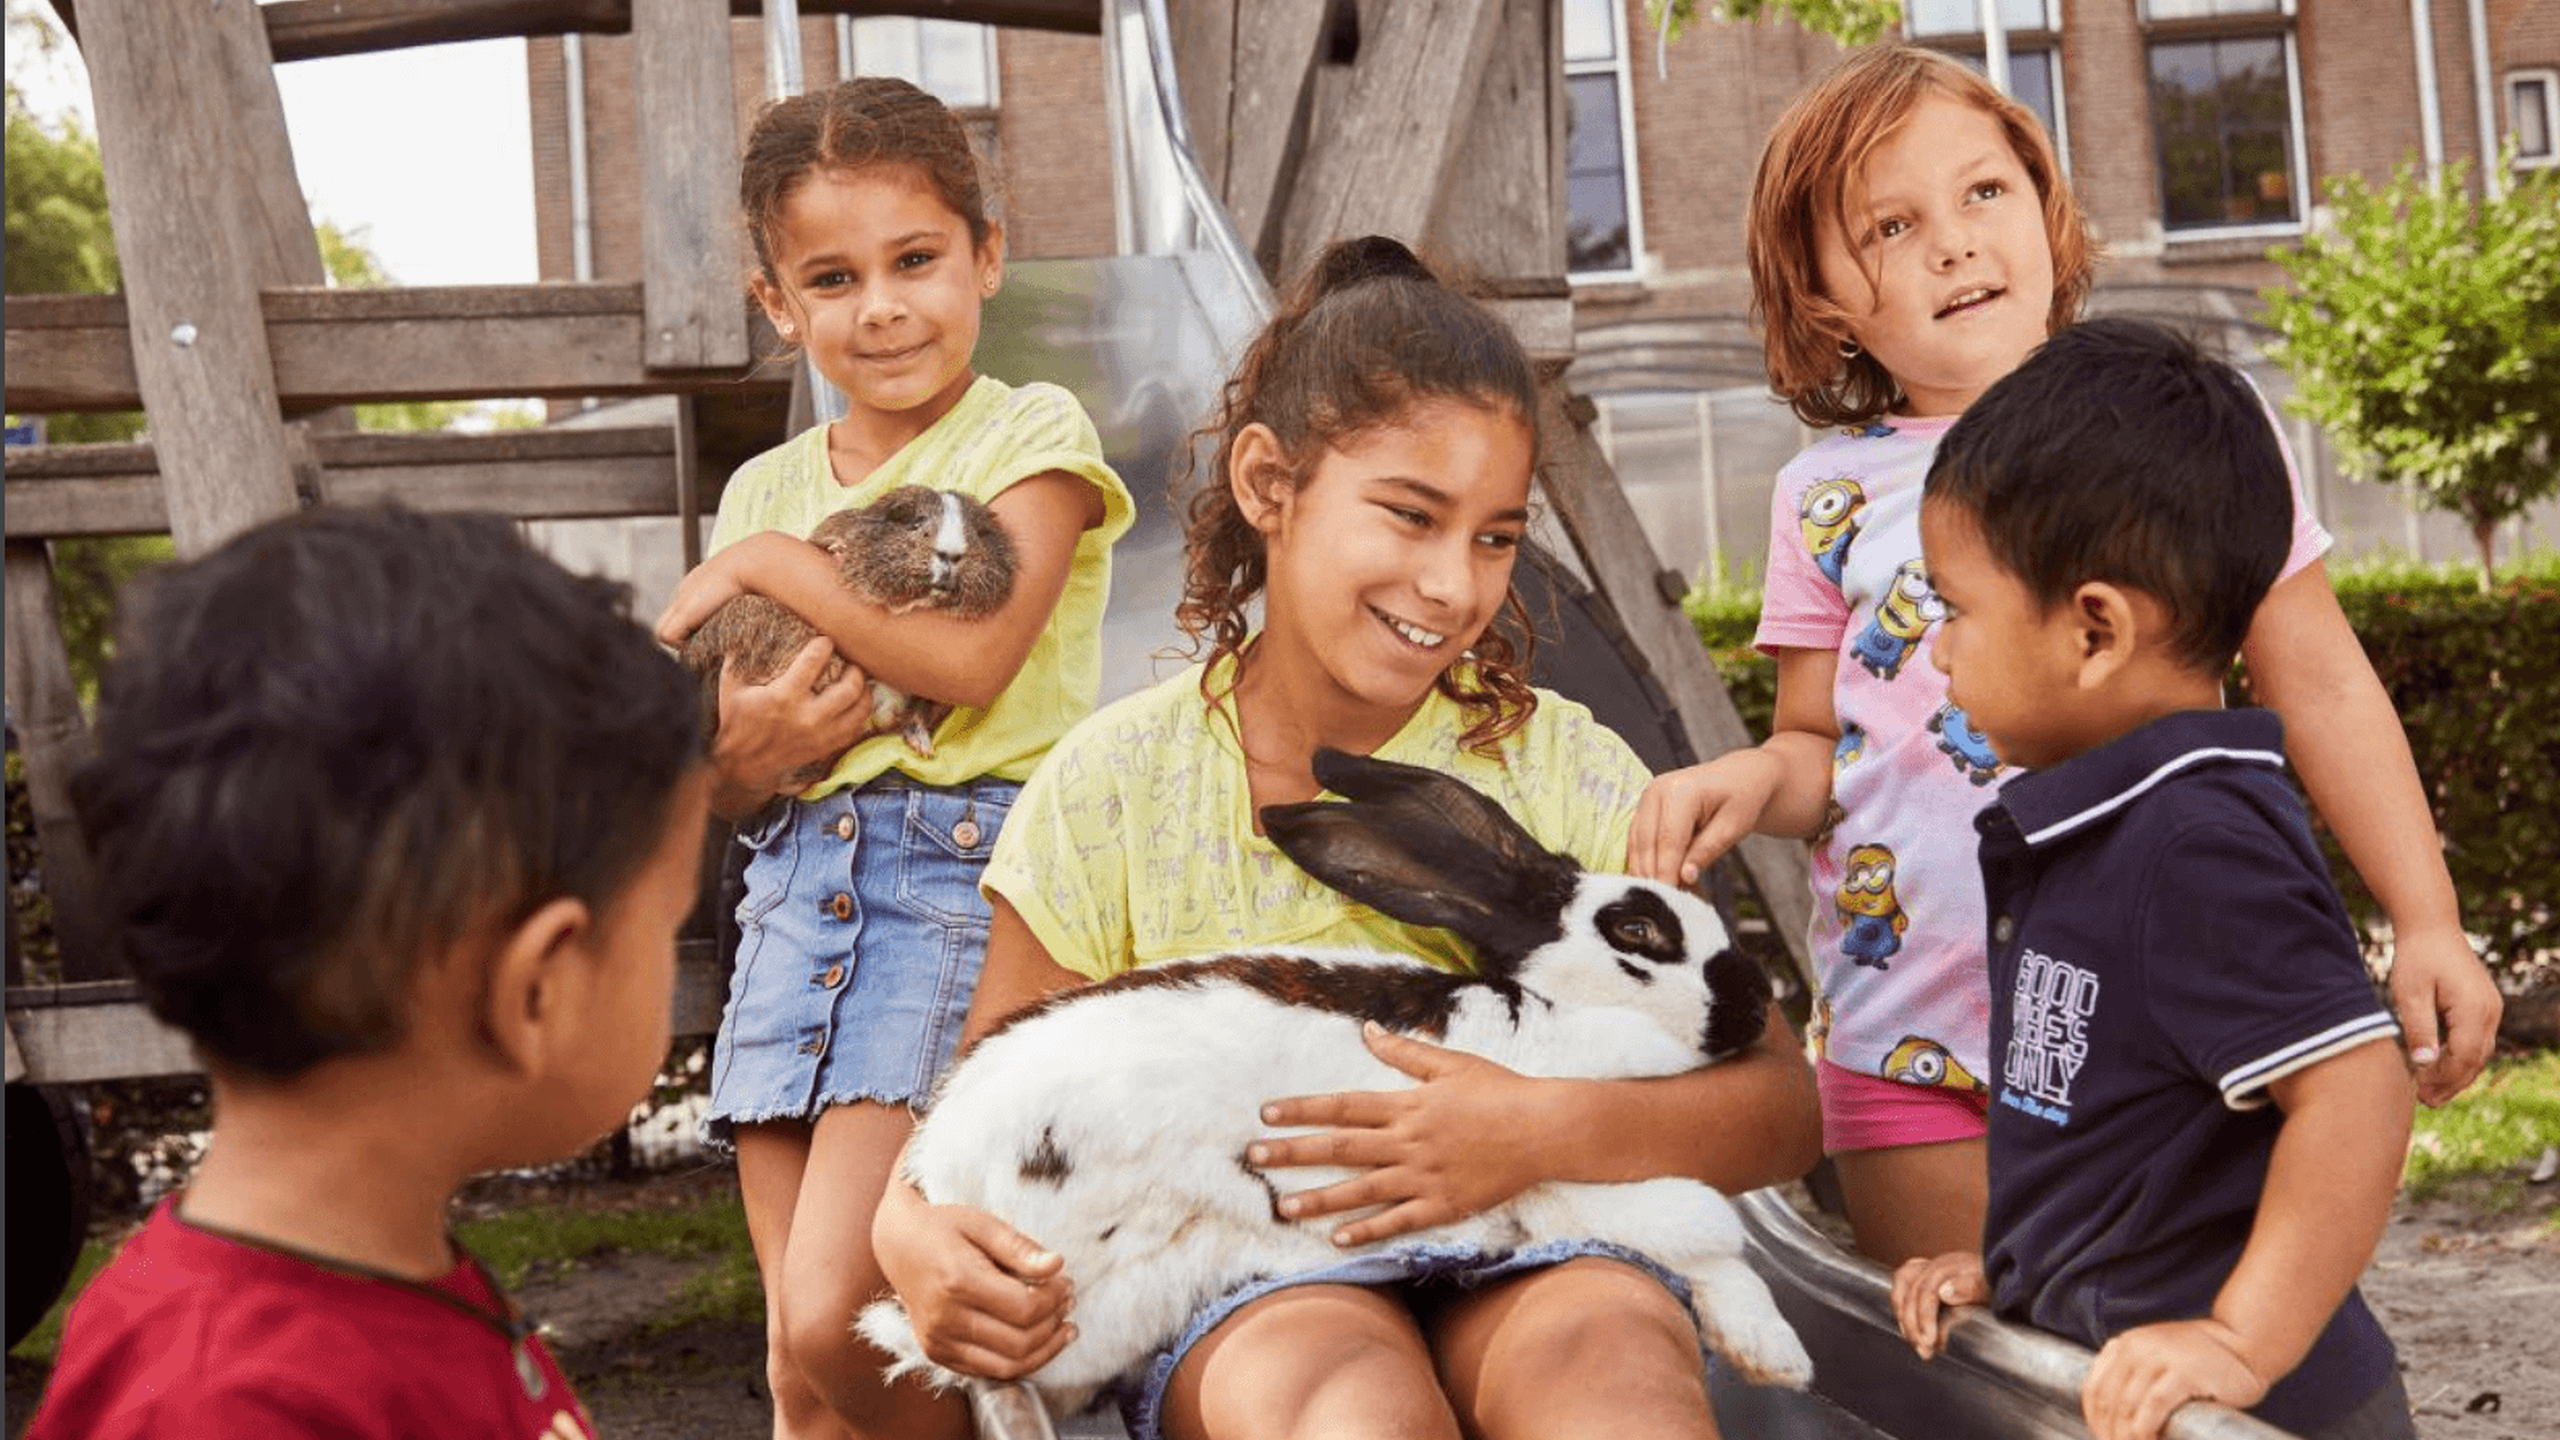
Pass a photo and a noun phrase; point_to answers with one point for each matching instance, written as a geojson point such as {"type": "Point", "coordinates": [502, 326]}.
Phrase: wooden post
{"type": "Point", "coordinates": [1378, 165]}
{"type": "Point", "coordinates": [1500, 213]}
{"type": "Point", "coordinates": [688, 186]}
{"type": "Point", "coordinates": [1620, 560]}
{"type": "Point", "coordinates": [1246, 69]}
{"type": "Point", "coordinates": [172, 142]}
{"type": "Point", "coordinates": [44, 705]}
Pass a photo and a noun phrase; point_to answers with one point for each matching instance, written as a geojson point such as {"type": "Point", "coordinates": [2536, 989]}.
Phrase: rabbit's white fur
{"type": "Point", "coordinates": [1110, 1123]}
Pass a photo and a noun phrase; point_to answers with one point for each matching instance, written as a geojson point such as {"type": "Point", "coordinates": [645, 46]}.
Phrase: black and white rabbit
{"type": "Point", "coordinates": [914, 547]}
{"type": "Point", "coordinates": [1110, 1123]}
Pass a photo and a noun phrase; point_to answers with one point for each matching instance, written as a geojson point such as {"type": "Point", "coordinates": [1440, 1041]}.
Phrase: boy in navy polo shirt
{"type": "Point", "coordinates": [2199, 1109]}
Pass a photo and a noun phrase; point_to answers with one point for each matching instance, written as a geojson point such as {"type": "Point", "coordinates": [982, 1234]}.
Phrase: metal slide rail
{"type": "Point", "coordinates": [1992, 1381]}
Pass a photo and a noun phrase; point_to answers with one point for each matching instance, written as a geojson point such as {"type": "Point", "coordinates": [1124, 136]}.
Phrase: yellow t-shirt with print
{"type": "Point", "coordinates": [996, 435]}
{"type": "Point", "coordinates": [1134, 843]}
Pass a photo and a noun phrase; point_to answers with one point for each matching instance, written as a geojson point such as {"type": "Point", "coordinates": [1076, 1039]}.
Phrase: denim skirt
{"type": "Point", "coordinates": [860, 939]}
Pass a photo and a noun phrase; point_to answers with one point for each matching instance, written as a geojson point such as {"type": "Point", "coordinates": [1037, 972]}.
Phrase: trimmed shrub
{"type": "Point", "coordinates": [2476, 678]}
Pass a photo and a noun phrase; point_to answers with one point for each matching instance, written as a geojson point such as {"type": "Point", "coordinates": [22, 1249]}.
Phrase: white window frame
{"type": "Point", "coordinates": [2046, 41]}
{"type": "Point", "coordinates": [1629, 170]}
{"type": "Point", "coordinates": [2548, 81]}
{"type": "Point", "coordinates": [2172, 32]}
{"type": "Point", "coordinates": [894, 45]}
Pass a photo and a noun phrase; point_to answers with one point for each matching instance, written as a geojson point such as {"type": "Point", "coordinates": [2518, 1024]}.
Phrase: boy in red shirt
{"type": "Point", "coordinates": [398, 821]}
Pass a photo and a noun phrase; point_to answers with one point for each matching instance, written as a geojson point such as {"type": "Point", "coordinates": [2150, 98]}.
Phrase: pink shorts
{"type": "Point", "coordinates": [1866, 1112]}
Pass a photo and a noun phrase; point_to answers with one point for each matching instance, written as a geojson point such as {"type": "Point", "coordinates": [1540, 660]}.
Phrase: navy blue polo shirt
{"type": "Point", "coordinates": [2165, 942]}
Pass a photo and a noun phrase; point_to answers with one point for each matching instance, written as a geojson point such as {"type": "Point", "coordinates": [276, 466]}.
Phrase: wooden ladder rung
{"type": "Point", "coordinates": [66, 490]}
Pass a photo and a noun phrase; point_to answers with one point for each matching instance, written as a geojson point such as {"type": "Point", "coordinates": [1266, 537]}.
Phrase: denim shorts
{"type": "Point", "coordinates": [1428, 1273]}
{"type": "Point", "coordinates": [859, 943]}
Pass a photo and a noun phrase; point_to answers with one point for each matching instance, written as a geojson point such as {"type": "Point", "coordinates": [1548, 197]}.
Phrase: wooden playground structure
{"type": "Point", "coordinates": [1446, 130]}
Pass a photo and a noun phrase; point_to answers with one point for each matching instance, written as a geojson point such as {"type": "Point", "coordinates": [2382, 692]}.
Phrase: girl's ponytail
{"type": "Point", "coordinates": [1370, 257]}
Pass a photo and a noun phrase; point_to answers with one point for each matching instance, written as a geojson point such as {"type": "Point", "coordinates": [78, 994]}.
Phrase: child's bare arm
{"type": "Point", "coordinates": [1924, 1290]}
{"type": "Point", "coordinates": [1779, 787]}
{"type": "Point", "coordinates": [922, 652]}
{"type": "Point", "coordinates": [2328, 1195]}
{"type": "Point", "coordinates": [2346, 743]}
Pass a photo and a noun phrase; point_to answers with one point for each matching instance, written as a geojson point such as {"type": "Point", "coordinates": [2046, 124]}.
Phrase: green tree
{"type": "Point", "coordinates": [59, 241]}
{"type": "Point", "coordinates": [1851, 22]}
{"type": "Point", "coordinates": [2423, 332]}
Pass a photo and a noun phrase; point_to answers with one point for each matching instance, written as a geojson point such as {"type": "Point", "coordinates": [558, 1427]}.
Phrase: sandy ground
{"type": "Point", "coordinates": [2469, 1290]}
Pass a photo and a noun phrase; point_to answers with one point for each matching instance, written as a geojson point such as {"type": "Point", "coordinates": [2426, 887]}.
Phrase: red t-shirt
{"type": "Point", "coordinates": [191, 1333]}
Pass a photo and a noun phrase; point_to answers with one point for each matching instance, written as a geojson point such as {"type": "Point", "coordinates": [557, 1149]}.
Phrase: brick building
{"type": "Point", "coordinates": [2199, 133]}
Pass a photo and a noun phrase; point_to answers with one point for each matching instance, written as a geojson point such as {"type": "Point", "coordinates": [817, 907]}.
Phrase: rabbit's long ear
{"type": "Point", "coordinates": [1428, 850]}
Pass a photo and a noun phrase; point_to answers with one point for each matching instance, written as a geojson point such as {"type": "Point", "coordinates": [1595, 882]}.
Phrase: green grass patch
{"type": "Point", "coordinates": [519, 1243]}
{"type": "Point", "coordinates": [2499, 1125]}
{"type": "Point", "coordinates": [41, 1342]}
{"type": "Point", "coordinates": [729, 1292]}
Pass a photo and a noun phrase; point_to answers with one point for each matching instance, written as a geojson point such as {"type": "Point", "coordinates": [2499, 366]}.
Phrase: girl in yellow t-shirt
{"type": "Point", "coordinates": [863, 926]}
{"type": "Point", "coordinates": [1371, 489]}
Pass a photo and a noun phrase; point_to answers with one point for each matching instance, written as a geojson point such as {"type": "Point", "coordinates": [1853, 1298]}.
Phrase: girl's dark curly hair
{"type": "Point", "coordinates": [1369, 333]}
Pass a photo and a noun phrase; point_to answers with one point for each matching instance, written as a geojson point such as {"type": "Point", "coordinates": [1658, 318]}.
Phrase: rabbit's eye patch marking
{"type": "Point", "coordinates": [1641, 924]}
{"type": "Point", "coordinates": [1047, 1164]}
{"type": "Point", "coordinates": [1740, 990]}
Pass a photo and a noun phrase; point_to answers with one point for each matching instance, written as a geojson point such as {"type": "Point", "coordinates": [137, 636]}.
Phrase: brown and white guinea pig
{"type": "Point", "coordinates": [1108, 1123]}
{"type": "Point", "coordinates": [913, 548]}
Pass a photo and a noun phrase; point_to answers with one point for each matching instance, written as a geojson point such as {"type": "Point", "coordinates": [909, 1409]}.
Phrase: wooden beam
{"type": "Point", "coordinates": [178, 196]}
{"type": "Point", "coordinates": [1501, 211]}
{"type": "Point", "coordinates": [688, 187]}
{"type": "Point", "coordinates": [1379, 165]}
{"type": "Point", "coordinates": [1620, 560]}
{"type": "Point", "coordinates": [315, 29]}
{"type": "Point", "coordinates": [558, 339]}
{"type": "Point", "coordinates": [1246, 68]}
{"type": "Point", "coordinates": [53, 737]}
{"type": "Point", "coordinates": [65, 490]}
{"type": "Point", "coordinates": [80, 1034]}
{"type": "Point", "coordinates": [284, 250]}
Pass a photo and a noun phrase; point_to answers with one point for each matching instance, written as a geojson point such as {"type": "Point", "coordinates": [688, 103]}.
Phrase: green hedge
{"type": "Point", "coordinates": [2476, 679]}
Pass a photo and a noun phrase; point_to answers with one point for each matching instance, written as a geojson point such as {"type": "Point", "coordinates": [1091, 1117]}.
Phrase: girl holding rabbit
{"type": "Point", "coordinates": [1911, 239]}
{"type": "Point", "coordinates": [863, 928]}
{"type": "Point", "coordinates": [1371, 486]}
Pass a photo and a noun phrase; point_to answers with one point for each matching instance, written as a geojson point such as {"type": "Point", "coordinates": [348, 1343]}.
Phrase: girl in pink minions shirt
{"type": "Point", "coordinates": [1911, 240]}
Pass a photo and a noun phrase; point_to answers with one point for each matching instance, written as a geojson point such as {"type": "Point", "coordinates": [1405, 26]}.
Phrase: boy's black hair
{"type": "Point", "coordinates": [2120, 451]}
{"type": "Point", "coordinates": [346, 739]}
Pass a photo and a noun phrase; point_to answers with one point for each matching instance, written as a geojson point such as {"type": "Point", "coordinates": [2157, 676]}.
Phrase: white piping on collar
{"type": "Point", "coordinates": [2134, 791]}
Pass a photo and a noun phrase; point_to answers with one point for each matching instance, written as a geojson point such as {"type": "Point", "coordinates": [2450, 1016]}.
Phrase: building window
{"type": "Point", "coordinates": [2533, 115]}
{"type": "Point", "coordinates": [2226, 113]}
{"type": "Point", "coordinates": [1605, 225]}
{"type": "Point", "coordinates": [953, 60]}
{"type": "Point", "coordinates": [2033, 32]}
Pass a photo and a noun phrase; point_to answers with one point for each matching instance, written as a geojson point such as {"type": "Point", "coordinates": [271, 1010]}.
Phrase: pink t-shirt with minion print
{"type": "Point", "coordinates": [1898, 923]}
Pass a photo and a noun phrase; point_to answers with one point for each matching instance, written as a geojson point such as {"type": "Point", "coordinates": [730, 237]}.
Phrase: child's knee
{"type": "Point", "coordinates": [1598, 1318]}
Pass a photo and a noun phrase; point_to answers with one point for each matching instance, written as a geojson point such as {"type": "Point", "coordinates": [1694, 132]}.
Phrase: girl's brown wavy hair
{"type": "Point", "coordinates": [1368, 333]}
{"type": "Point", "coordinates": [868, 120]}
{"type": "Point", "coordinates": [1811, 163]}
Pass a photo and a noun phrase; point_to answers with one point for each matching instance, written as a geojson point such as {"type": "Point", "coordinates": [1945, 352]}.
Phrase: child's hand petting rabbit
{"type": "Point", "coordinates": [1112, 1122]}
